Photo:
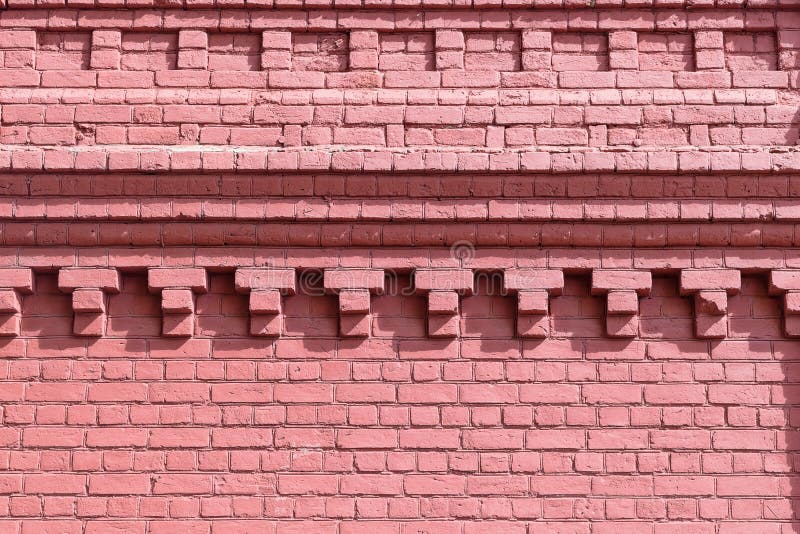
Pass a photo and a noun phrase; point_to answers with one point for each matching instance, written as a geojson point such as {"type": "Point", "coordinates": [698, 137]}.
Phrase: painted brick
{"type": "Point", "coordinates": [525, 267]}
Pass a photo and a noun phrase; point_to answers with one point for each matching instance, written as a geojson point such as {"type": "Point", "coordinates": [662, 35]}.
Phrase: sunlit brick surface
{"type": "Point", "coordinates": [434, 267]}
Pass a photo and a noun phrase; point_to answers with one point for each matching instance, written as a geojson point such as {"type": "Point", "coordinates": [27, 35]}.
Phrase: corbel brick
{"type": "Point", "coordinates": [623, 50]}
{"type": "Point", "coordinates": [363, 50]}
{"type": "Point", "coordinates": [276, 50]}
{"type": "Point", "coordinates": [354, 287]}
{"type": "Point", "coordinates": [14, 282]}
{"type": "Point", "coordinates": [17, 48]}
{"type": "Point", "coordinates": [178, 287]}
{"type": "Point", "coordinates": [266, 287]}
{"type": "Point", "coordinates": [709, 53]}
{"type": "Point", "coordinates": [89, 287]}
{"type": "Point", "coordinates": [622, 289]}
{"type": "Point", "coordinates": [443, 288]}
{"type": "Point", "coordinates": [450, 45]}
{"type": "Point", "coordinates": [533, 287]}
{"type": "Point", "coordinates": [786, 283]}
{"type": "Point", "coordinates": [788, 46]}
{"type": "Point", "coordinates": [192, 49]}
{"type": "Point", "coordinates": [106, 49]}
{"type": "Point", "coordinates": [710, 288]}
{"type": "Point", "coordinates": [537, 50]}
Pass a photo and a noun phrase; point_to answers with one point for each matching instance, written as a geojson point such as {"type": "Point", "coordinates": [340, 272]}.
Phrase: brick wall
{"type": "Point", "coordinates": [393, 267]}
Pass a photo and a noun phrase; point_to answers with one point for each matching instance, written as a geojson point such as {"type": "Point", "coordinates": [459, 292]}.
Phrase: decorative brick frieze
{"type": "Point", "coordinates": [399, 267]}
{"type": "Point", "coordinates": [89, 288]}
{"type": "Point", "coordinates": [177, 287]}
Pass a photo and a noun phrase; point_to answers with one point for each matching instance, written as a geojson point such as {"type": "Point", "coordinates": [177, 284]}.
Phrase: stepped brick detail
{"type": "Point", "coordinates": [89, 288]}
{"type": "Point", "coordinates": [359, 267]}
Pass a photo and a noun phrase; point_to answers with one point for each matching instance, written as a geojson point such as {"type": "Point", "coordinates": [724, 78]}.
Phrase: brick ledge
{"type": "Point", "coordinates": [154, 159]}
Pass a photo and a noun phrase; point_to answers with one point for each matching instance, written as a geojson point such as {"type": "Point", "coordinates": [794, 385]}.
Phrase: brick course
{"type": "Point", "coordinates": [399, 267]}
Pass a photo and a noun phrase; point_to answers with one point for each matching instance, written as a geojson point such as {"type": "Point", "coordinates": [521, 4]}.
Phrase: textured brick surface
{"type": "Point", "coordinates": [358, 267]}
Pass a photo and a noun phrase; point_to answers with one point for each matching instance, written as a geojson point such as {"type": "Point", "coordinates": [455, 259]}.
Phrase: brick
{"type": "Point", "coordinates": [460, 280]}
{"type": "Point", "coordinates": [161, 278]}
{"type": "Point", "coordinates": [608, 280]}
{"type": "Point", "coordinates": [104, 279]}
{"type": "Point", "coordinates": [577, 328]}
{"type": "Point", "coordinates": [728, 280]}
{"type": "Point", "coordinates": [339, 279]}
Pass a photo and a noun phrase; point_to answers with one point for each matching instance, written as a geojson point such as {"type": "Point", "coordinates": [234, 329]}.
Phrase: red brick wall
{"type": "Point", "coordinates": [399, 267]}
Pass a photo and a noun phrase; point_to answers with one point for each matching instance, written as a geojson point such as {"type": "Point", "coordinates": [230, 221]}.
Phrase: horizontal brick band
{"type": "Point", "coordinates": [544, 5]}
{"type": "Point", "coordinates": [401, 259]}
{"type": "Point", "coordinates": [492, 13]}
{"type": "Point", "coordinates": [297, 234]}
{"type": "Point", "coordinates": [163, 159]}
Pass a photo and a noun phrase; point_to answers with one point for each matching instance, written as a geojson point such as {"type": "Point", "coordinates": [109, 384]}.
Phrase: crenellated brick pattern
{"type": "Point", "coordinates": [443, 288]}
{"type": "Point", "coordinates": [496, 80]}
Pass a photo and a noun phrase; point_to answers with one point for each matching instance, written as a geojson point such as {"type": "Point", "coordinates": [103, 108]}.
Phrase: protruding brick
{"type": "Point", "coordinates": [708, 50]}
{"type": "Point", "coordinates": [336, 280]}
{"type": "Point", "coordinates": [86, 300]}
{"type": "Point", "coordinates": [458, 280]}
{"type": "Point", "coordinates": [251, 279]}
{"type": "Point", "coordinates": [276, 49]}
{"type": "Point", "coordinates": [551, 280]}
{"type": "Point", "coordinates": [10, 301]}
{"type": "Point", "coordinates": [783, 280]}
{"type": "Point", "coordinates": [605, 280]}
{"type": "Point", "coordinates": [276, 40]}
{"type": "Point", "coordinates": [693, 280]}
{"type": "Point", "coordinates": [192, 39]}
{"type": "Point", "coordinates": [192, 278]}
{"type": "Point", "coordinates": [622, 288]}
{"type": "Point", "coordinates": [19, 279]}
{"type": "Point", "coordinates": [106, 49]}
{"type": "Point", "coordinates": [177, 287]}
{"type": "Point", "coordinates": [710, 288]}
{"type": "Point", "coordinates": [443, 303]}
{"type": "Point", "coordinates": [354, 301]}
{"type": "Point", "coordinates": [266, 287]}
{"type": "Point", "coordinates": [177, 301]}
{"type": "Point", "coordinates": [623, 50]}
{"type": "Point", "coordinates": [363, 50]}
{"type": "Point", "coordinates": [192, 49]}
{"type": "Point", "coordinates": [786, 283]}
{"type": "Point", "coordinates": [105, 279]}
{"type": "Point", "coordinates": [14, 282]}
{"type": "Point", "coordinates": [265, 302]}
{"type": "Point", "coordinates": [450, 46]}
{"type": "Point", "coordinates": [354, 287]}
{"type": "Point", "coordinates": [533, 287]}
{"type": "Point", "coordinates": [89, 287]}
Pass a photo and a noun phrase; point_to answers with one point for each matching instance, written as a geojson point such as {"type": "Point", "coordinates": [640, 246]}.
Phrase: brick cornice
{"type": "Point", "coordinates": [687, 8]}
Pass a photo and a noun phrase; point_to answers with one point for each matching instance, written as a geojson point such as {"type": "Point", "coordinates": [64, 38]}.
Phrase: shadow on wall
{"type": "Point", "coordinates": [719, 418]}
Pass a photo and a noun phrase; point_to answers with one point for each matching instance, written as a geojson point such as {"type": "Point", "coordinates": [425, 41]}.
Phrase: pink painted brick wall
{"type": "Point", "coordinates": [347, 267]}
